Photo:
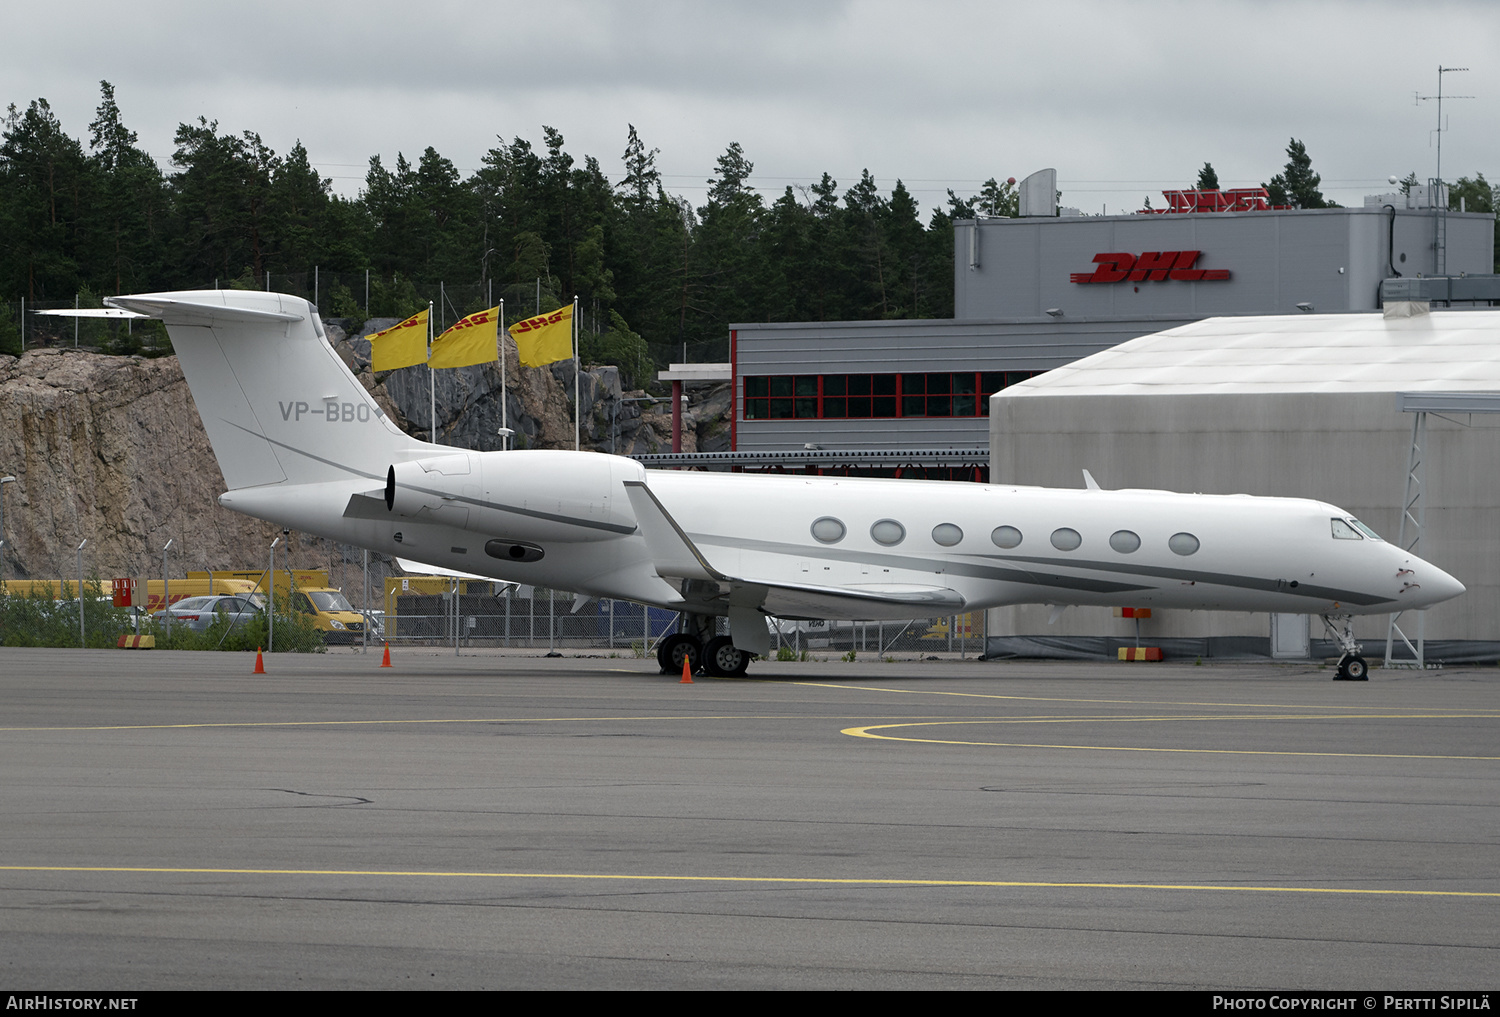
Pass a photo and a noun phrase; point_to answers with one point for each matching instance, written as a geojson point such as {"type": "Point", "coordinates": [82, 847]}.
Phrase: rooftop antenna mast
{"type": "Point", "coordinates": [1441, 129]}
{"type": "Point", "coordinates": [1437, 193]}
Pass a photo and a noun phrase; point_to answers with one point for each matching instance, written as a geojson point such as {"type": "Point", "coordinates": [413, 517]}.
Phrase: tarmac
{"type": "Point", "coordinates": [509, 821]}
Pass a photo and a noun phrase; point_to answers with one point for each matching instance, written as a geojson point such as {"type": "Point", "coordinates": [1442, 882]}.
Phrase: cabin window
{"type": "Point", "coordinates": [947, 534]}
{"type": "Point", "coordinates": [1183, 544]}
{"type": "Point", "coordinates": [828, 530]}
{"type": "Point", "coordinates": [1124, 541]}
{"type": "Point", "coordinates": [1343, 531]}
{"type": "Point", "coordinates": [1066, 539]}
{"type": "Point", "coordinates": [1006, 537]}
{"type": "Point", "coordinates": [888, 532]}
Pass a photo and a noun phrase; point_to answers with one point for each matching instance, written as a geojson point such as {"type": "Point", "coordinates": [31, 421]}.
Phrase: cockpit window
{"type": "Point", "coordinates": [1362, 528]}
{"type": "Point", "coordinates": [1343, 531]}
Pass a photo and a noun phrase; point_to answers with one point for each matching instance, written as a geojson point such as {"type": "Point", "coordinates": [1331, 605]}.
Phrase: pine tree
{"type": "Point", "coordinates": [1208, 180]}
{"type": "Point", "coordinates": [1297, 185]}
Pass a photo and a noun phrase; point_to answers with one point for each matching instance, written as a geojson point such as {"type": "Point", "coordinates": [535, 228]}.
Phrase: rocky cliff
{"type": "Point", "coordinates": [111, 450]}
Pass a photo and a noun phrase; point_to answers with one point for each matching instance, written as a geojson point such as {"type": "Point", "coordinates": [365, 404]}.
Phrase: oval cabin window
{"type": "Point", "coordinates": [1006, 537]}
{"type": "Point", "coordinates": [828, 530]}
{"type": "Point", "coordinates": [947, 534]}
{"type": "Point", "coordinates": [1183, 543]}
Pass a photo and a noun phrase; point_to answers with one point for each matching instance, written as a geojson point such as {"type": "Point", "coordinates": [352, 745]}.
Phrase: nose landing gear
{"type": "Point", "coordinates": [1351, 667]}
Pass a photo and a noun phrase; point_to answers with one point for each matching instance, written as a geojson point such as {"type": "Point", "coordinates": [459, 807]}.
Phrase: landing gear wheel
{"type": "Point", "coordinates": [722, 660]}
{"type": "Point", "coordinates": [674, 650]}
{"type": "Point", "coordinates": [1352, 668]}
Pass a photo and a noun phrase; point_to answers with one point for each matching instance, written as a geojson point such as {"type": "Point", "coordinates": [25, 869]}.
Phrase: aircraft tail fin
{"type": "Point", "coordinates": [278, 404]}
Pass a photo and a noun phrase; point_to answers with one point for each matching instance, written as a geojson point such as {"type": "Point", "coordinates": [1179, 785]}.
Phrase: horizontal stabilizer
{"type": "Point", "coordinates": [91, 312]}
{"type": "Point", "coordinates": [191, 312]}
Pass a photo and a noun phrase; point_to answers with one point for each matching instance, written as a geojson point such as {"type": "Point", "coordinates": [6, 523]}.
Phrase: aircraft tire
{"type": "Point", "coordinates": [1356, 669]}
{"type": "Point", "coordinates": [721, 659]}
{"type": "Point", "coordinates": [674, 648]}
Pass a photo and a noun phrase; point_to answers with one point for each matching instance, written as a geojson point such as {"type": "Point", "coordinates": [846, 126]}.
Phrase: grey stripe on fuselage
{"type": "Point", "coordinates": [1033, 578]}
{"type": "Point", "coordinates": [1215, 578]}
{"type": "Point", "coordinates": [941, 566]}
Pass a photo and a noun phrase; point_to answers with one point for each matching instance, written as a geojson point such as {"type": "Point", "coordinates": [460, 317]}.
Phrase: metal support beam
{"type": "Point", "coordinates": [1413, 517]}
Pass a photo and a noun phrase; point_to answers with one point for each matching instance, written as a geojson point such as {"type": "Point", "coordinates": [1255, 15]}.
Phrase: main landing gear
{"type": "Point", "coordinates": [1352, 667]}
{"type": "Point", "coordinates": [715, 655]}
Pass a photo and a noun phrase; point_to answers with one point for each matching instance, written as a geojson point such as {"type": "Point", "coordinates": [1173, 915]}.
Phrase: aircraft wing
{"type": "Point", "coordinates": [676, 556]}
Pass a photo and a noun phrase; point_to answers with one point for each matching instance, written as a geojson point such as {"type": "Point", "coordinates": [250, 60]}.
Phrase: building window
{"type": "Point", "coordinates": [866, 396]}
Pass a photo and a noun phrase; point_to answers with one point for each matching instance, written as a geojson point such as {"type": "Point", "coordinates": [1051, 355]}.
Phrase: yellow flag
{"type": "Point", "coordinates": [545, 338]}
{"type": "Point", "coordinates": [471, 341]}
{"type": "Point", "coordinates": [400, 345]}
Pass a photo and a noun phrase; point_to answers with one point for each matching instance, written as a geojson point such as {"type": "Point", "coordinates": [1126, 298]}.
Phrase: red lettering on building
{"type": "Point", "coordinates": [1153, 266]}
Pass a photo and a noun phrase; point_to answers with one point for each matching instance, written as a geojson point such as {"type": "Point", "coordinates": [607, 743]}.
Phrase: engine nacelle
{"type": "Point", "coordinates": [518, 496]}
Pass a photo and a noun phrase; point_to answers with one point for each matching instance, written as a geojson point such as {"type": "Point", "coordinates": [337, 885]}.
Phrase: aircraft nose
{"type": "Point", "coordinates": [1424, 584]}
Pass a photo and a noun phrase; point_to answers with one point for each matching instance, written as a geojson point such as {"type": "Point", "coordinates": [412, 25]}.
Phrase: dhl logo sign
{"type": "Point", "coordinates": [543, 320]}
{"type": "Point", "coordinates": [1155, 266]}
{"type": "Point", "coordinates": [474, 320]}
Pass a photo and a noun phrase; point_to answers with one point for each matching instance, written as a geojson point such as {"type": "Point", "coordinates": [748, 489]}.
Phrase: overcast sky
{"type": "Point", "coordinates": [1123, 98]}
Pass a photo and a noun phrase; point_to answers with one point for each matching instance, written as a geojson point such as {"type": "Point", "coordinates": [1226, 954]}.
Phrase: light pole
{"type": "Point", "coordinates": [3, 482]}
{"type": "Point", "coordinates": [82, 636]}
{"type": "Point", "coordinates": [166, 587]}
{"type": "Point", "coordinates": [271, 600]}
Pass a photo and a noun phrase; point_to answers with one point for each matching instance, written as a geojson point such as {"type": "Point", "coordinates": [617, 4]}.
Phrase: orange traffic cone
{"type": "Point", "coordinates": [260, 665]}
{"type": "Point", "coordinates": [687, 670]}
{"type": "Point", "coordinates": [386, 660]}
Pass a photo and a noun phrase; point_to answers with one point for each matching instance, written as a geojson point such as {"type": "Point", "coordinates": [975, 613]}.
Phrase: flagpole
{"type": "Point", "coordinates": [500, 348]}
{"type": "Point", "coordinates": [431, 381]}
{"type": "Point", "coordinates": [577, 428]}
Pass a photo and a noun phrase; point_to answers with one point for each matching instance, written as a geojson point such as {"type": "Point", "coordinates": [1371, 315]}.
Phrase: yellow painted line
{"type": "Point", "coordinates": [866, 732]}
{"type": "Point", "coordinates": [1111, 702]}
{"type": "Point", "coordinates": [754, 880]}
{"type": "Point", "coordinates": [357, 723]}
{"type": "Point", "coordinates": [1206, 717]}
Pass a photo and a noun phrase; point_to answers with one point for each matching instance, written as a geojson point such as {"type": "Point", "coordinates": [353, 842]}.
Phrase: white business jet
{"type": "Point", "coordinates": [302, 444]}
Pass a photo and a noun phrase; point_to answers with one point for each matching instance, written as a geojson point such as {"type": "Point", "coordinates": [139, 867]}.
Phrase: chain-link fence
{"type": "Point", "coordinates": [477, 614]}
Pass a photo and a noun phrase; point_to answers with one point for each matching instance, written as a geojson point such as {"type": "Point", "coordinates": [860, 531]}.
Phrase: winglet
{"type": "Point", "coordinates": [1089, 481]}
{"type": "Point", "coordinates": [673, 553]}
